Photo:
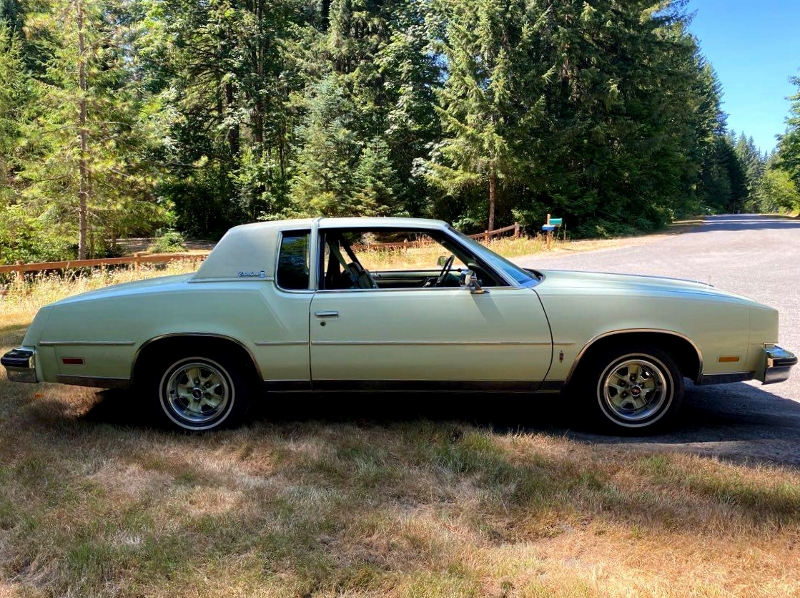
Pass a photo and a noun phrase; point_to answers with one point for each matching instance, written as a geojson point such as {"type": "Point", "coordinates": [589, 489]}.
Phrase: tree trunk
{"type": "Point", "coordinates": [83, 192]}
{"type": "Point", "coordinates": [233, 130]}
{"type": "Point", "coordinates": [492, 196]}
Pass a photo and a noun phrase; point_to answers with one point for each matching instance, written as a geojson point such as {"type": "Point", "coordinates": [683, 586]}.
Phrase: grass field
{"type": "Point", "coordinates": [366, 497]}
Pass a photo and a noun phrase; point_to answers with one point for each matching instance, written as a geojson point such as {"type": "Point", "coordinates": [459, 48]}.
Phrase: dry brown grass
{"type": "Point", "coordinates": [92, 505]}
{"type": "Point", "coordinates": [93, 502]}
{"type": "Point", "coordinates": [25, 295]}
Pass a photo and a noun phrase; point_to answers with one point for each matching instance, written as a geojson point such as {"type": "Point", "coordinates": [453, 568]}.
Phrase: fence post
{"type": "Point", "coordinates": [136, 260]}
{"type": "Point", "coordinates": [516, 230]}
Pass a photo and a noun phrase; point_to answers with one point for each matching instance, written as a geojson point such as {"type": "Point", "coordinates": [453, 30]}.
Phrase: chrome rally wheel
{"type": "Point", "coordinates": [636, 388]}
{"type": "Point", "coordinates": [197, 393]}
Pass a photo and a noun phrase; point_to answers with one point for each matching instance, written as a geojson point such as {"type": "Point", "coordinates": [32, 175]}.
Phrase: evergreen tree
{"type": "Point", "coordinates": [621, 140]}
{"type": "Point", "coordinates": [754, 165]}
{"type": "Point", "coordinates": [85, 168]}
{"type": "Point", "coordinates": [329, 153]}
{"type": "Point", "coordinates": [789, 143]}
{"type": "Point", "coordinates": [491, 97]}
{"type": "Point", "coordinates": [13, 97]}
{"type": "Point", "coordinates": [374, 181]}
{"type": "Point", "coordinates": [602, 112]}
{"type": "Point", "coordinates": [220, 69]}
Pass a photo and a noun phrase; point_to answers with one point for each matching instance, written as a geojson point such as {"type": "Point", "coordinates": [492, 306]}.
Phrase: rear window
{"type": "Point", "coordinates": [293, 261]}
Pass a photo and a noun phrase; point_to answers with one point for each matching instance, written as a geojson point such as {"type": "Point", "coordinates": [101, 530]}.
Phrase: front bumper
{"type": "Point", "coordinates": [20, 365]}
{"type": "Point", "coordinates": [779, 364]}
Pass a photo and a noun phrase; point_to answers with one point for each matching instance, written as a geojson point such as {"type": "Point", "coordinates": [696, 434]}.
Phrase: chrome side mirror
{"type": "Point", "coordinates": [441, 260]}
{"type": "Point", "coordinates": [468, 280]}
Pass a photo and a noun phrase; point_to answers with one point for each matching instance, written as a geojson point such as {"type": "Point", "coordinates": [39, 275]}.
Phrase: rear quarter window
{"type": "Point", "coordinates": [293, 261]}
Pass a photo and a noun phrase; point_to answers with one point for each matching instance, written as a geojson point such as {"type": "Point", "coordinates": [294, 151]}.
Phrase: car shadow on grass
{"type": "Point", "coordinates": [498, 411]}
{"type": "Point", "coordinates": [735, 422]}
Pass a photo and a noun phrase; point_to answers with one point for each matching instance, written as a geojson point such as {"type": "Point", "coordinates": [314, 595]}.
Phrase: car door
{"type": "Point", "coordinates": [444, 335]}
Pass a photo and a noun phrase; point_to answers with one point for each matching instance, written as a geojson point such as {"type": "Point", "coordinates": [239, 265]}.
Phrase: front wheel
{"type": "Point", "coordinates": [634, 389]}
{"type": "Point", "coordinates": [197, 393]}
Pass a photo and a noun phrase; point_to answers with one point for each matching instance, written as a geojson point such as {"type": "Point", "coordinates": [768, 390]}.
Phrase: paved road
{"type": "Point", "coordinates": [755, 256]}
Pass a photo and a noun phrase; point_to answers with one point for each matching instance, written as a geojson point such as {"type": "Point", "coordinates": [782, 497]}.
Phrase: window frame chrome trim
{"type": "Point", "coordinates": [309, 288]}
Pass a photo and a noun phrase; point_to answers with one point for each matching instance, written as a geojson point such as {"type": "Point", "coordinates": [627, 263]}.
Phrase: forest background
{"type": "Point", "coordinates": [127, 118]}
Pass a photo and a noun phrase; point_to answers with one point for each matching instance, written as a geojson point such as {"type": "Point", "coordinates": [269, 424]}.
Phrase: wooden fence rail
{"type": "Point", "coordinates": [488, 234]}
{"type": "Point", "coordinates": [159, 258]}
{"type": "Point", "coordinates": [135, 260]}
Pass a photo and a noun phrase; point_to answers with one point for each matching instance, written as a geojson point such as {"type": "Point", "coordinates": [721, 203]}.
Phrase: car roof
{"type": "Point", "coordinates": [380, 222]}
{"type": "Point", "coordinates": [349, 222]}
{"type": "Point", "coordinates": [248, 251]}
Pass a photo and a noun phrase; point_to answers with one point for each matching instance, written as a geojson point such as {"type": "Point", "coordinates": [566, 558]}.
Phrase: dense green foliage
{"type": "Point", "coordinates": [122, 117]}
{"type": "Point", "coordinates": [782, 181]}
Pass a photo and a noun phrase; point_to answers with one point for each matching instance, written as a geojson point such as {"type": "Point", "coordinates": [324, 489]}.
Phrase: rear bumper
{"type": "Point", "coordinates": [20, 365]}
{"type": "Point", "coordinates": [779, 364]}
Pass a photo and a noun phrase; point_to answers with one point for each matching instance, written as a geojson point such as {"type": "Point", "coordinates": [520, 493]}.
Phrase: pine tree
{"type": "Point", "coordinates": [620, 146]}
{"type": "Point", "coordinates": [789, 143]}
{"type": "Point", "coordinates": [754, 165]}
{"type": "Point", "coordinates": [490, 97]}
{"type": "Point", "coordinates": [13, 96]}
{"type": "Point", "coordinates": [329, 154]}
{"type": "Point", "coordinates": [221, 70]}
{"type": "Point", "coordinates": [85, 166]}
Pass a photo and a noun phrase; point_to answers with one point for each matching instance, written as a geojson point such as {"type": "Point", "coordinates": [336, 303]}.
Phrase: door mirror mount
{"type": "Point", "coordinates": [468, 280]}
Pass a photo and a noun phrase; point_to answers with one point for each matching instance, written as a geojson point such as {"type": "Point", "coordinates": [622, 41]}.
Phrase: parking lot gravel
{"type": "Point", "coordinates": [752, 255]}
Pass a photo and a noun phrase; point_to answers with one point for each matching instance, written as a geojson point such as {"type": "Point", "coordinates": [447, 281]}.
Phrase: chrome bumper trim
{"type": "Point", "coordinates": [20, 365]}
{"type": "Point", "coordinates": [779, 364]}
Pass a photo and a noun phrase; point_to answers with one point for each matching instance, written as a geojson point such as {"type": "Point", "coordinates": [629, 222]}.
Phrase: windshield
{"type": "Point", "coordinates": [498, 262]}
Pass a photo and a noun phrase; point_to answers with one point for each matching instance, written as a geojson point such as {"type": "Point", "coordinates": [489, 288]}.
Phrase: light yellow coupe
{"type": "Point", "coordinates": [396, 304]}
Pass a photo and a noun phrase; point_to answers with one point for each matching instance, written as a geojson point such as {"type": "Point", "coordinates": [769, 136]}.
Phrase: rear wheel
{"type": "Point", "coordinates": [199, 392]}
{"type": "Point", "coordinates": [634, 389]}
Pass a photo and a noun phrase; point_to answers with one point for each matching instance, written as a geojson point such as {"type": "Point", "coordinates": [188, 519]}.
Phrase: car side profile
{"type": "Point", "coordinates": [396, 304]}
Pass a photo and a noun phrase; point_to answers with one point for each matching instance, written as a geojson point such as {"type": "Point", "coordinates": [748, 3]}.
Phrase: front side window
{"type": "Point", "coordinates": [394, 259]}
{"type": "Point", "coordinates": [520, 275]}
{"type": "Point", "coordinates": [293, 261]}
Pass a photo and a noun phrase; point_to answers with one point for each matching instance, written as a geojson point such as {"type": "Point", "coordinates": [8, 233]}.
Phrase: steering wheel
{"type": "Point", "coordinates": [445, 270]}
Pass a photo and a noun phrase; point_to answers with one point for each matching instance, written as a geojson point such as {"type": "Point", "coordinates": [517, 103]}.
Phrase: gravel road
{"type": "Point", "coordinates": [755, 256]}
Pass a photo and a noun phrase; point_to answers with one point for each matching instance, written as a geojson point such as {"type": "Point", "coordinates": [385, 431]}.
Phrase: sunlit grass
{"type": "Point", "coordinates": [406, 508]}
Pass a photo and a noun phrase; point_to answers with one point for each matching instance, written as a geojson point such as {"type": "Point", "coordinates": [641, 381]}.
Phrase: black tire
{"type": "Point", "coordinates": [632, 390]}
{"type": "Point", "coordinates": [196, 393]}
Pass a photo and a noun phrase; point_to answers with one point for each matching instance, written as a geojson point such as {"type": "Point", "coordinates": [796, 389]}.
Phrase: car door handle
{"type": "Point", "coordinates": [326, 314]}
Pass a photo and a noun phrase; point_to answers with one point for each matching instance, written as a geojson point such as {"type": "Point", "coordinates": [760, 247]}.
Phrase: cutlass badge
{"type": "Point", "coordinates": [251, 274]}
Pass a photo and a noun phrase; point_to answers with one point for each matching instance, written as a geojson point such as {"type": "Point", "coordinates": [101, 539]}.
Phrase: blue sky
{"type": "Point", "coordinates": [754, 46]}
